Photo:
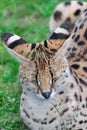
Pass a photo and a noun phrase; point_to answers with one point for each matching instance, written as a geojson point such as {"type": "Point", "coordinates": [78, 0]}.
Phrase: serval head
{"type": "Point", "coordinates": [43, 71]}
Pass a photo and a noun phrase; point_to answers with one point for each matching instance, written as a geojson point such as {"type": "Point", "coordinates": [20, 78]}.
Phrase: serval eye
{"type": "Point", "coordinates": [36, 82]}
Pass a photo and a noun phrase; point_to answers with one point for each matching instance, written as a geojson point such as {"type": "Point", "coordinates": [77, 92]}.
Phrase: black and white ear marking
{"type": "Point", "coordinates": [6, 36]}
{"type": "Point", "coordinates": [68, 26]}
{"type": "Point", "coordinates": [13, 43]}
{"type": "Point", "coordinates": [12, 40]}
{"type": "Point", "coordinates": [60, 33]}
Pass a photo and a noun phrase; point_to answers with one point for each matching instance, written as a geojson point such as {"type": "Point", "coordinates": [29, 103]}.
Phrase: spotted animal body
{"type": "Point", "coordinates": [53, 75]}
{"type": "Point", "coordinates": [68, 12]}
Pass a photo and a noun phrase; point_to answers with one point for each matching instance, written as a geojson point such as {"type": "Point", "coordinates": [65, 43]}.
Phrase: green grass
{"type": "Point", "coordinates": [29, 19]}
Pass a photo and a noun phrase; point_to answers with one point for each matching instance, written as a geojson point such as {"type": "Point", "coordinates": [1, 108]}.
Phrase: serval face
{"type": "Point", "coordinates": [44, 75]}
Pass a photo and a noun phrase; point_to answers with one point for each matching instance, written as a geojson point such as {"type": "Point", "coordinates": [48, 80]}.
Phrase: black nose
{"type": "Point", "coordinates": [46, 94]}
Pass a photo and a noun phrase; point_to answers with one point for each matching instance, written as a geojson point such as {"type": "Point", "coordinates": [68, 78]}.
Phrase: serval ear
{"type": "Point", "coordinates": [17, 46]}
{"type": "Point", "coordinates": [21, 49]}
{"type": "Point", "coordinates": [58, 37]}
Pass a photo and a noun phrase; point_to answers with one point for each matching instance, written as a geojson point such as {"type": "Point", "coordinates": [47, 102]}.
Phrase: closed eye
{"type": "Point", "coordinates": [54, 79]}
{"type": "Point", "coordinates": [36, 82]}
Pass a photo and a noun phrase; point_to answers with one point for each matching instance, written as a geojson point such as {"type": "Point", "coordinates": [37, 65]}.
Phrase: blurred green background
{"type": "Point", "coordinates": [30, 20]}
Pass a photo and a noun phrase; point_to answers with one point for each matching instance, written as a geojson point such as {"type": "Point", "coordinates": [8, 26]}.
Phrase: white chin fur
{"type": "Point", "coordinates": [53, 94]}
{"type": "Point", "coordinates": [12, 39]}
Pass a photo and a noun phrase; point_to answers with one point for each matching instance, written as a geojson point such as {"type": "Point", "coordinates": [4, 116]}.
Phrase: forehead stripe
{"type": "Point", "coordinates": [16, 43]}
{"type": "Point", "coordinates": [33, 45]}
{"type": "Point", "coordinates": [45, 44]}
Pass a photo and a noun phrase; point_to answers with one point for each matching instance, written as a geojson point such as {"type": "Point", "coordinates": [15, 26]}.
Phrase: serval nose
{"type": "Point", "coordinates": [46, 94]}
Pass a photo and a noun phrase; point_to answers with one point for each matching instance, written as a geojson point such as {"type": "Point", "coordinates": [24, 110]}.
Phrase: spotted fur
{"type": "Point", "coordinates": [66, 12]}
{"type": "Point", "coordinates": [53, 75]}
